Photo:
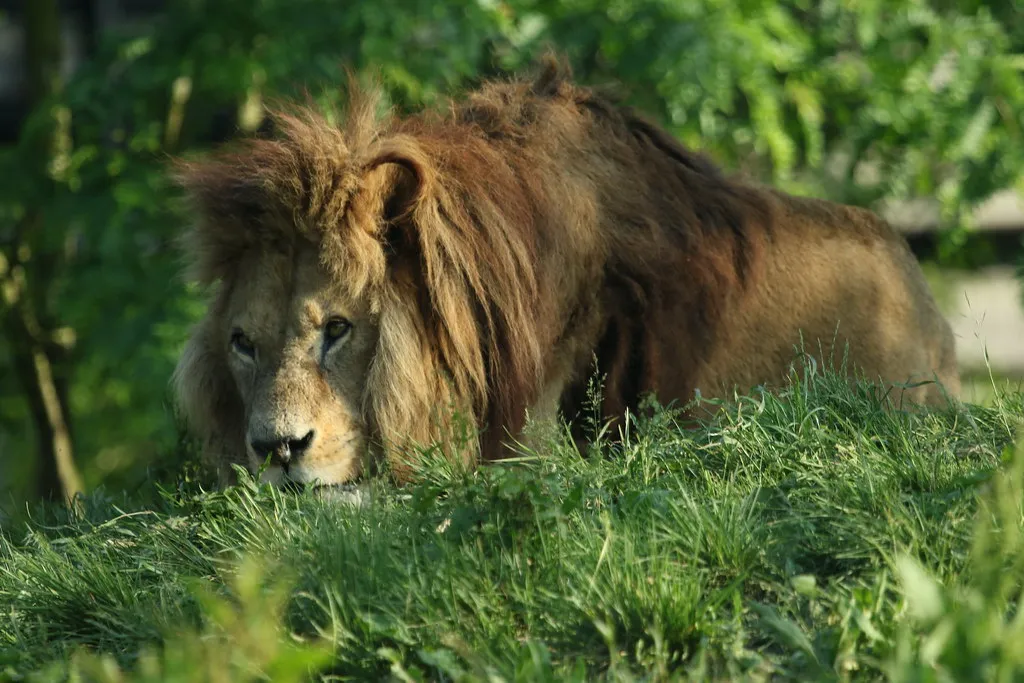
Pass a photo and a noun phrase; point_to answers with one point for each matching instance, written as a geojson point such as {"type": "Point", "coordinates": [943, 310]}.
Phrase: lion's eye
{"type": "Point", "coordinates": [242, 344]}
{"type": "Point", "coordinates": [336, 328]}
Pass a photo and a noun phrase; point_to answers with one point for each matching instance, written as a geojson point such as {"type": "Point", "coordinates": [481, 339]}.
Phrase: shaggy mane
{"type": "Point", "coordinates": [447, 222]}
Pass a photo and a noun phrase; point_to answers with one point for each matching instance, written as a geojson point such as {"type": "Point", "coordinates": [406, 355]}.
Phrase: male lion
{"type": "Point", "coordinates": [376, 276]}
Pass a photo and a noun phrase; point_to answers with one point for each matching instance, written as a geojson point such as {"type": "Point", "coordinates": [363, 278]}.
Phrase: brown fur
{"type": "Point", "coordinates": [493, 251]}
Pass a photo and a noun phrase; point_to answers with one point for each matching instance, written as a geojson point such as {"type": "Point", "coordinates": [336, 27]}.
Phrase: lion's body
{"type": "Point", "coordinates": [855, 292]}
{"type": "Point", "coordinates": [493, 253]}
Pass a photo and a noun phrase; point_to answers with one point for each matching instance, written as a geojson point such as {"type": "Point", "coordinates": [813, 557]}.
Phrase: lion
{"type": "Point", "coordinates": [371, 279]}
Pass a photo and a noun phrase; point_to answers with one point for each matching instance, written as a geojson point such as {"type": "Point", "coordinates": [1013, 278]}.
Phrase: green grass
{"type": "Point", "coordinates": [805, 536]}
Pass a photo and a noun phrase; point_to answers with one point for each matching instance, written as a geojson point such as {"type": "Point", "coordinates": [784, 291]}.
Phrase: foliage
{"type": "Point", "coordinates": [855, 101]}
{"type": "Point", "coordinates": [770, 542]}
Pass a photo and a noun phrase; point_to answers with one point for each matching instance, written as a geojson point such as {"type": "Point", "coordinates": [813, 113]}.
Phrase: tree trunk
{"type": "Point", "coordinates": [34, 353]}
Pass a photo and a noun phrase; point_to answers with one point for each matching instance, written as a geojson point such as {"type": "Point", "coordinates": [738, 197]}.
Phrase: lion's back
{"type": "Point", "coordinates": [840, 282]}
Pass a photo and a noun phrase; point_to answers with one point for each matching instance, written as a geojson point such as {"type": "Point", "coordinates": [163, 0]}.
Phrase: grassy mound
{"type": "Point", "coordinates": [805, 536]}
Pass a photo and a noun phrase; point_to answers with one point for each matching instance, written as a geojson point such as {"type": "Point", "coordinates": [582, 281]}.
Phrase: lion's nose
{"type": "Point", "coordinates": [282, 449]}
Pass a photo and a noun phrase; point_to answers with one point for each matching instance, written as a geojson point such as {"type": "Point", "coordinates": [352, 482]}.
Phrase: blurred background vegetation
{"type": "Point", "coordinates": [873, 102]}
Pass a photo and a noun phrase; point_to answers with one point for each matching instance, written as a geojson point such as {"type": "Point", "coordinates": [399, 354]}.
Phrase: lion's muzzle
{"type": "Point", "coordinates": [282, 449]}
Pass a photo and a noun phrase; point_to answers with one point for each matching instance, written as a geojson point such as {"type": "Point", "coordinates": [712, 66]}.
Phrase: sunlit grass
{"type": "Point", "coordinates": [807, 536]}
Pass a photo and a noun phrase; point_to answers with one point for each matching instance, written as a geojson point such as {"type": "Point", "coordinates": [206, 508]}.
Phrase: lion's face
{"type": "Point", "coordinates": [299, 349]}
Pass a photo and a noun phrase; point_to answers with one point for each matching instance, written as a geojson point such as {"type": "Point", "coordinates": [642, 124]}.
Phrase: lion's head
{"type": "Point", "coordinates": [295, 347]}
{"type": "Point", "coordinates": [369, 281]}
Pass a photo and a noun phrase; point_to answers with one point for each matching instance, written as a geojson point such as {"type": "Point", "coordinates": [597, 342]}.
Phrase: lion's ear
{"type": "Point", "coordinates": [407, 178]}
